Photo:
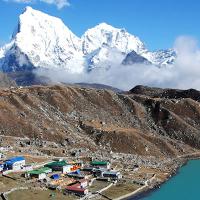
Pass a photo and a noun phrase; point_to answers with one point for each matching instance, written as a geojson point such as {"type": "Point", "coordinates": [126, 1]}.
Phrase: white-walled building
{"type": "Point", "coordinates": [15, 163]}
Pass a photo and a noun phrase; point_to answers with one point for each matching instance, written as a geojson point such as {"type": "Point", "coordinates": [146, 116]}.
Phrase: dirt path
{"type": "Point", "coordinates": [145, 186]}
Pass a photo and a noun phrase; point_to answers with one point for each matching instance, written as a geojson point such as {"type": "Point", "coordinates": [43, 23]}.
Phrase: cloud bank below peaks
{"type": "Point", "coordinates": [184, 74]}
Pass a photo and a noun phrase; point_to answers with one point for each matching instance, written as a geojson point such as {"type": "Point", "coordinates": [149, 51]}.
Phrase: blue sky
{"type": "Point", "coordinates": [157, 22]}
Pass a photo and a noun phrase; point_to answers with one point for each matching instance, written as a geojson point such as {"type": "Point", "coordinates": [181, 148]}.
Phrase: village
{"type": "Point", "coordinates": [73, 180]}
{"type": "Point", "coordinates": [99, 175]}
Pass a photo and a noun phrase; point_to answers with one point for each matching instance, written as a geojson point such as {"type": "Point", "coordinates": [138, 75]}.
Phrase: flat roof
{"type": "Point", "coordinates": [57, 164]}
{"type": "Point", "coordinates": [39, 171]}
{"type": "Point", "coordinates": [14, 159]}
{"type": "Point", "coordinates": [96, 162]}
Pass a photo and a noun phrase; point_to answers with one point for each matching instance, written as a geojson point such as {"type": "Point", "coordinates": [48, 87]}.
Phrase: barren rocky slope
{"type": "Point", "coordinates": [132, 122]}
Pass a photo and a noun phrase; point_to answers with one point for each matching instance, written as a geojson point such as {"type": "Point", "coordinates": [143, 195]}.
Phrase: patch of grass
{"type": "Point", "coordinates": [39, 195]}
{"type": "Point", "coordinates": [7, 184]}
{"type": "Point", "coordinates": [120, 189]}
{"type": "Point", "coordinates": [98, 185]}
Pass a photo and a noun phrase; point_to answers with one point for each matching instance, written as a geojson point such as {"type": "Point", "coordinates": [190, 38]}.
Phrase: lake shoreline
{"type": "Point", "coordinates": [146, 192]}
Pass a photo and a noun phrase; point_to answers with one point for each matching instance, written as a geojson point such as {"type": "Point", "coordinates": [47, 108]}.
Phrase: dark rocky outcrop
{"type": "Point", "coordinates": [134, 58]}
{"type": "Point", "coordinates": [166, 93]}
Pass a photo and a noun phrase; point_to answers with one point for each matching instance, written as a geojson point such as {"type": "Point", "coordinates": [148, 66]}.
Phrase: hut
{"type": "Point", "coordinates": [76, 189]}
{"type": "Point", "coordinates": [39, 173]}
{"type": "Point", "coordinates": [100, 164]}
{"type": "Point", "coordinates": [114, 175]}
{"type": "Point", "coordinates": [15, 163]}
{"type": "Point", "coordinates": [57, 165]}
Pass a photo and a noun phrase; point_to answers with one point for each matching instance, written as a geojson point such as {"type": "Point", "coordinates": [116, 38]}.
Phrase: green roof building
{"type": "Point", "coordinates": [100, 164]}
{"type": "Point", "coordinates": [57, 165]}
{"type": "Point", "coordinates": [42, 170]}
{"type": "Point", "coordinates": [39, 173]}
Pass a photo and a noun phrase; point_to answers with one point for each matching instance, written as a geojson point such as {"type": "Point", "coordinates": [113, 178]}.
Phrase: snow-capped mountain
{"type": "Point", "coordinates": [104, 34]}
{"type": "Point", "coordinates": [106, 43]}
{"type": "Point", "coordinates": [104, 57]}
{"type": "Point", "coordinates": [43, 41]}
{"type": "Point", "coordinates": [161, 57]}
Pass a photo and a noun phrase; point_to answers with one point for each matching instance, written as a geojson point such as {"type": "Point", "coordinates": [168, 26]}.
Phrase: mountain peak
{"type": "Point", "coordinates": [134, 58]}
{"type": "Point", "coordinates": [108, 27]}
{"type": "Point", "coordinates": [33, 14]}
{"type": "Point", "coordinates": [32, 18]}
{"type": "Point", "coordinates": [44, 41]}
{"type": "Point", "coordinates": [118, 38]}
{"type": "Point", "coordinates": [28, 9]}
{"type": "Point", "coordinates": [30, 12]}
{"type": "Point", "coordinates": [105, 26]}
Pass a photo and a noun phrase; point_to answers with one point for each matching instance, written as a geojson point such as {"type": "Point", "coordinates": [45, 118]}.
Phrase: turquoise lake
{"type": "Point", "coordinates": [184, 186]}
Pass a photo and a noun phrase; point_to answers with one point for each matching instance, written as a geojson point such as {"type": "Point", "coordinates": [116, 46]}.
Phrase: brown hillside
{"type": "Point", "coordinates": [94, 118]}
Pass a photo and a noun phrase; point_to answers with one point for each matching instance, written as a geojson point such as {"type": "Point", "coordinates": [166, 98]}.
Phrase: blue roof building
{"type": "Point", "coordinates": [14, 163]}
{"type": "Point", "coordinates": [14, 160]}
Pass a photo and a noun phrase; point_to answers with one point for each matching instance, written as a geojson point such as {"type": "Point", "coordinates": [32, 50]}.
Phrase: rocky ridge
{"type": "Point", "coordinates": [102, 119]}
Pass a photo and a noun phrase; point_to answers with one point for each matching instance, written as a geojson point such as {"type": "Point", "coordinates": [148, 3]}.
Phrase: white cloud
{"type": "Point", "coordinates": [187, 65]}
{"type": "Point", "coordinates": [59, 3]}
{"type": "Point", "coordinates": [21, 1]}
{"type": "Point", "coordinates": [184, 74]}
